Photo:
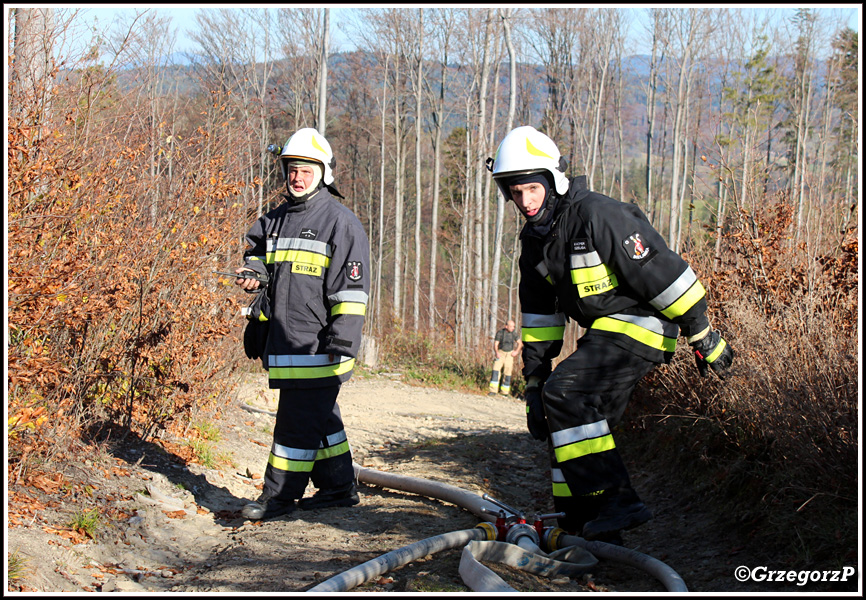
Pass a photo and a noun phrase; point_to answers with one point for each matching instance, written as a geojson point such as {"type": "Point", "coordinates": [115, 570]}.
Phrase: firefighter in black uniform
{"type": "Point", "coordinates": [599, 262]}
{"type": "Point", "coordinates": [314, 253]}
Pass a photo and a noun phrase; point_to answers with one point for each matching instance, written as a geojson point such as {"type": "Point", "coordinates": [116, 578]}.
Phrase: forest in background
{"type": "Point", "coordinates": [132, 175]}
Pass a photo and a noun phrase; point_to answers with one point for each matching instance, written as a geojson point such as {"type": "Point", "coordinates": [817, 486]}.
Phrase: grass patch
{"type": "Point", "coordinates": [87, 522]}
{"type": "Point", "coordinates": [17, 566]}
{"type": "Point", "coordinates": [204, 453]}
{"type": "Point", "coordinates": [207, 431]}
{"type": "Point", "coordinates": [425, 362]}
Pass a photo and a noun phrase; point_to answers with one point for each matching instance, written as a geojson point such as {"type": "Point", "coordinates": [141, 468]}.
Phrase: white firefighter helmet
{"type": "Point", "coordinates": [526, 150]}
{"type": "Point", "coordinates": [309, 144]}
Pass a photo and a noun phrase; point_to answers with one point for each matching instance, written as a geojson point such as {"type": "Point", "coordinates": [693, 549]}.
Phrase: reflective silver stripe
{"type": "Point", "coordinates": [580, 433]}
{"type": "Point", "coordinates": [299, 244]}
{"type": "Point", "coordinates": [580, 261]}
{"type": "Point", "coordinates": [533, 320]}
{"type": "Point", "coordinates": [334, 439]}
{"type": "Point", "coordinates": [349, 296]}
{"type": "Point", "coordinates": [293, 453]}
{"type": "Point", "coordinates": [542, 269]}
{"type": "Point", "coordinates": [304, 360]}
{"type": "Point", "coordinates": [556, 476]}
{"type": "Point", "coordinates": [675, 290]}
{"type": "Point", "coordinates": [656, 325]}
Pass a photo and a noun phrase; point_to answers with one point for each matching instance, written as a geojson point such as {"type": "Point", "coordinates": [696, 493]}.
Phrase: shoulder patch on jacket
{"type": "Point", "coordinates": [353, 270]}
{"type": "Point", "coordinates": [636, 248]}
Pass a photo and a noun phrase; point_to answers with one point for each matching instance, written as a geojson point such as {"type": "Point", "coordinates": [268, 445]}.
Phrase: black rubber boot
{"type": "Point", "coordinates": [330, 498]}
{"type": "Point", "coordinates": [267, 507]}
{"type": "Point", "coordinates": [618, 512]}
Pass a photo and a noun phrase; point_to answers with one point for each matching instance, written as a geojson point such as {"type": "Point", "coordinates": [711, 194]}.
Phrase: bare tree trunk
{"type": "Point", "coordinates": [478, 275]}
{"type": "Point", "coordinates": [378, 291]}
{"type": "Point", "coordinates": [504, 15]}
{"type": "Point", "coordinates": [437, 168]}
{"type": "Point", "coordinates": [398, 226]}
{"type": "Point", "coordinates": [323, 73]}
{"type": "Point", "coordinates": [33, 53]}
{"type": "Point", "coordinates": [693, 18]}
{"type": "Point", "coordinates": [651, 110]}
{"type": "Point", "coordinates": [416, 274]}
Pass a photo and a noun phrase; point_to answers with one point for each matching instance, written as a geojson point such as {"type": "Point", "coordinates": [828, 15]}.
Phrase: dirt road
{"type": "Point", "coordinates": [171, 526]}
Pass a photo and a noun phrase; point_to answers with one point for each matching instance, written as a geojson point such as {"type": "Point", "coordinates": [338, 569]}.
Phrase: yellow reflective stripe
{"type": "Point", "coordinates": [561, 490]}
{"type": "Point", "coordinates": [295, 466]}
{"type": "Point", "coordinates": [686, 301]}
{"type": "Point", "coordinates": [717, 352]}
{"type": "Point", "coordinates": [590, 274]}
{"type": "Point", "coordinates": [333, 451]}
{"type": "Point", "coordinates": [582, 448]}
{"type": "Point", "coordinates": [349, 308]}
{"type": "Point", "coordinates": [311, 372]}
{"type": "Point", "coordinates": [593, 280]}
{"type": "Point", "coordinates": [542, 334]}
{"type": "Point", "coordinates": [259, 258]}
{"type": "Point", "coordinates": [636, 332]}
{"type": "Point", "coordinates": [262, 317]}
{"type": "Point", "coordinates": [303, 256]}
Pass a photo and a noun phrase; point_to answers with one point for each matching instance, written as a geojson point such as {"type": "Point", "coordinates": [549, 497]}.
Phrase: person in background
{"type": "Point", "coordinates": [598, 261]}
{"type": "Point", "coordinates": [314, 254]}
{"type": "Point", "coordinates": [506, 346]}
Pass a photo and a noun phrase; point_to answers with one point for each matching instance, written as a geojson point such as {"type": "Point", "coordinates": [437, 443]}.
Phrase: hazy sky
{"type": "Point", "coordinates": [184, 16]}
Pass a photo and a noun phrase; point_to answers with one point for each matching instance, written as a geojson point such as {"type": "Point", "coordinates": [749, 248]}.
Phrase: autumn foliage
{"type": "Point", "coordinates": [113, 313]}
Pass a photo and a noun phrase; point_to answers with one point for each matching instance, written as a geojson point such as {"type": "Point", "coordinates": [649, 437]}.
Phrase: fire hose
{"type": "Point", "coordinates": [510, 541]}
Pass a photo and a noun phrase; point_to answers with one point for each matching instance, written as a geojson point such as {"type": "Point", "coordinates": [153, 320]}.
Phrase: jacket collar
{"type": "Point", "coordinates": [576, 191]}
{"type": "Point", "coordinates": [293, 205]}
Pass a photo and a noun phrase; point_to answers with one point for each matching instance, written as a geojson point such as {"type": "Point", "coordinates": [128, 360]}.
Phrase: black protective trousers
{"type": "Point", "coordinates": [584, 398]}
{"type": "Point", "coordinates": [310, 444]}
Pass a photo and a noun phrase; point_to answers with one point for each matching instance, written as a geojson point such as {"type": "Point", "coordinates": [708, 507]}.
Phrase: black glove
{"type": "Point", "coordinates": [713, 351]}
{"type": "Point", "coordinates": [535, 418]}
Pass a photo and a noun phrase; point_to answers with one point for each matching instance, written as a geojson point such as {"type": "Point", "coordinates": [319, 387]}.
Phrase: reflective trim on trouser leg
{"type": "Point", "coordinates": [494, 380]}
{"type": "Point", "coordinates": [333, 466]}
{"type": "Point", "coordinates": [578, 509]}
{"type": "Point", "coordinates": [505, 388]}
{"type": "Point", "coordinates": [584, 397]}
{"type": "Point", "coordinates": [304, 420]}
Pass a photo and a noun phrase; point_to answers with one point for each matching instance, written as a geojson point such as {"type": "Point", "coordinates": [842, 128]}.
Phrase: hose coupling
{"type": "Point", "coordinates": [489, 530]}
{"type": "Point", "coordinates": [552, 537]}
{"type": "Point", "coordinates": [519, 530]}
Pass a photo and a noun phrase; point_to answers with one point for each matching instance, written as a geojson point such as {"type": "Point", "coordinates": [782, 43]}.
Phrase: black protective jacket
{"type": "Point", "coordinates": [317, 257]}
{"type": "Point", "coordinates": [603, 265]}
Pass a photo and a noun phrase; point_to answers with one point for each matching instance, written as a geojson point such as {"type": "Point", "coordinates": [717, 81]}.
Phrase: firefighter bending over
{"type": "Point", "coordinates": [599, 262]}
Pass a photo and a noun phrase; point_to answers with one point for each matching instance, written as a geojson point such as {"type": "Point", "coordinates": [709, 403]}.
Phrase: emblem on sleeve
{"type": "Point", "coordinates": [635, 247]}
{"type": "Point", "coordinates": [353, 270]}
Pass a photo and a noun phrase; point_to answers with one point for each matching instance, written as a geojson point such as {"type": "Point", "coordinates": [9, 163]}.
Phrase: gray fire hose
{"type": "Point", "coordinates": [572, 556]}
